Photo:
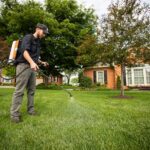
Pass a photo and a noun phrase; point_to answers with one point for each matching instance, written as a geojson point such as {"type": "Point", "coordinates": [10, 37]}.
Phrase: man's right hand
{"type": "Point", "coordinates": [34, 66]}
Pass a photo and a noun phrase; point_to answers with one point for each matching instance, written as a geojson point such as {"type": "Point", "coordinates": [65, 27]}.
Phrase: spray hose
{"type": "Point", "coordinates": [69, 93]}
{"type": "Point", "coordinates": [5, 64]}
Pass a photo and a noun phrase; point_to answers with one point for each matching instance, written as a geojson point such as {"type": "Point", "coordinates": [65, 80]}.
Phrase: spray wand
{"type": "Point", "coordinates": [68, 92]}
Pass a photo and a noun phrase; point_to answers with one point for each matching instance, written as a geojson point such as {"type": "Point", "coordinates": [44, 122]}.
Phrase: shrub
{"type": "Point", "coordinates": [75, 80]}
{"type": "Point", "coordinates": [85, 82]}
{"type": "Point", "coordinates": [50, 86]}
{"type": "Point", "coordinates": [98, 84]}
{"type": "Point", "coordinates": [41, 86]}
{"type": "Point", "coordinates": [54, 87]}
{"type": "Point", "coordinates": [7, 84]}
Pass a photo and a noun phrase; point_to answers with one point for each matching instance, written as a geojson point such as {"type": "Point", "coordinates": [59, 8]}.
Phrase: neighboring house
{"type": "Point", "coordinates": [103, 74]}
{"type": "Point", "coordinates": [4, 80]}
{"type": "Point", "coordinates": [106, 75]}
{"type": "Point", "coordinates": [52, 80]}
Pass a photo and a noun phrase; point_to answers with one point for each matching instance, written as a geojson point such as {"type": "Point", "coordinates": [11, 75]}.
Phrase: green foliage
{"type": "Point", "coordinates": [85, 82]}
{"type": "Point", "coordinates": [124, 34]}
{"type": "Point", "coordinates": [75, 80]}
{"type": "Point", "coordinates": [20, 19]}
{"type": "Point", "coordinates": [4, 50]}
{"type": "Point", "coordinates": [41, 86]}
{"type": "Point", "coordinates": [55, 87]}
{"type": "Point", "coordinates": [68, 23]}
{"type": "Point", "coordinates": [7, 84]}
{"type": "Point", "coordinates": [9, 71]}
{"type": "Point", "coordinates": [50, 86]}
{"type": "Point", "coordinates": [98, 84]}
{"type": "Point", "coordinates": [88, 51]}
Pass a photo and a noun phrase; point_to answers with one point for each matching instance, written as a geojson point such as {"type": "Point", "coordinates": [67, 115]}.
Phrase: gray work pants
{"type": "Point", "coordinates": [27, 80]}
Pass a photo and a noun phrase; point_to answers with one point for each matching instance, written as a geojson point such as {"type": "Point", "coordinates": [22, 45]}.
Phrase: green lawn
{"type": "Point", "coordinates": [92, 121]}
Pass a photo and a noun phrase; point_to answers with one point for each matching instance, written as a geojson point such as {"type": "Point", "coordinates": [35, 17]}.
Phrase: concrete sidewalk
{"type": "Point", "coordinates": [7, 87]}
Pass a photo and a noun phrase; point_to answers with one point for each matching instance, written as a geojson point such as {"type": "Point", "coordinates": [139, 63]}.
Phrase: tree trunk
{"type": "Point", "coordinates": [68, 81]}
{"type": "Point", "coordinates": [122, 80]}
{"type": "Point", "coordinates": [45, 80]}
{"type": "Point", "coordinates": [14, 82]}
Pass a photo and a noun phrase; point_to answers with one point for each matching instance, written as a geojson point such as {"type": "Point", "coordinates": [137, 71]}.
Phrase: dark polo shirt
{"type": "Point", "coordinates": [32, 45]}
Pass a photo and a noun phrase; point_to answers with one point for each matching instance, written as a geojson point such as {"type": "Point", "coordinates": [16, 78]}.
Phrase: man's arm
{"type": "Point", "coordinates": [33, 65]}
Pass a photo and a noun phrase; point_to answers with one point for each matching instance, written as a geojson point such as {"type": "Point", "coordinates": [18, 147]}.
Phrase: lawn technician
{"type": "Point", "coordinates": [29, 57]}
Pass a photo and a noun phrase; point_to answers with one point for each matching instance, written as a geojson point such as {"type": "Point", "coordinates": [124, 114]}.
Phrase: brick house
{"type": "Point", "coordinates": [106, 75]}
{"type": "Point", "coordinates": [103, 74]}
{"type": "Point", "coordinates": [52, 80]}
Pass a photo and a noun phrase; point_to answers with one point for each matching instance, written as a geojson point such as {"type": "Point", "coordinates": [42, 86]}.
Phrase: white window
{"type": "Point", "coordinates": [100, 77]}
{"type": "Point", "coordinates": [129, 76]}
{"type": "Point", "coordinates": [148, 76]}
{"type": "Point", "coordinates": [6, 81]}
{"type": "Point", "coordinates": [138, 76]}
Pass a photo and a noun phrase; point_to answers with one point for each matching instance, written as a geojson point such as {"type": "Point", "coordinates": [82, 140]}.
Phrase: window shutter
{"type": "Point", "coordinates": [94, 76]}
{"type": "Point", "coordinates": [105, 76]}
{"type": "Point", "coordinates": [124, 77]}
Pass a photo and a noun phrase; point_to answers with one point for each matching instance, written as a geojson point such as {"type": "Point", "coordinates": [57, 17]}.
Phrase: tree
{"type": "Point", "coordinates": [18, 19]}
{"type": "Point", "coordinates": [4, 49]}
{"type": "Point", "coordinates": [125, 29]}
{"type": "Point", "coordinates": [72, 23]}
{"type": "Point", "coordinates": [68, 74]}
{"type": "Point", "coordinates": [67, 21]}
{"type": "Point", "coordinates": [88, 50]}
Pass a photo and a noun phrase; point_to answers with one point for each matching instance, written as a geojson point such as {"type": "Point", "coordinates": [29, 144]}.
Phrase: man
{"type": "Point", "coordinates": [29, 58]}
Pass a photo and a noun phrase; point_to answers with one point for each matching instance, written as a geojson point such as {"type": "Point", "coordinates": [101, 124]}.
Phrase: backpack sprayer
{"type": "Point", "coordinates": [12, 59]}
{"type": "Point", "coordinates": [13, 52]}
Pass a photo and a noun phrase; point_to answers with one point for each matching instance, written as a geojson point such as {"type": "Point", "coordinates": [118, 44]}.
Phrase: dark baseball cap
{"type": "Point", "coordinates": [43, 27]}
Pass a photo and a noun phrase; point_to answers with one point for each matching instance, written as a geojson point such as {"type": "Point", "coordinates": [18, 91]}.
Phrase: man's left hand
{"type": "Point", "coordinates": [45, 64]}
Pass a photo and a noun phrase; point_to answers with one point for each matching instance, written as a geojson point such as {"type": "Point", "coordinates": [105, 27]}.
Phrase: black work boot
{"type": "Point", "coordinates": [33, 113]}
{"type": "Point", "coordinates": [15, 120]}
